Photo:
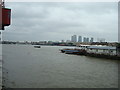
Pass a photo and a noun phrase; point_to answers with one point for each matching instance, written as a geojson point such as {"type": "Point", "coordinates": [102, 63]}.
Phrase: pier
{"type": "Point", "coordinates": [107, 52]}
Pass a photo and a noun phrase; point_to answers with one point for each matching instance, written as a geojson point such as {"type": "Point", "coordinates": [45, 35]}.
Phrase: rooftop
{"type": "Point", "coordinates": [102, 47]}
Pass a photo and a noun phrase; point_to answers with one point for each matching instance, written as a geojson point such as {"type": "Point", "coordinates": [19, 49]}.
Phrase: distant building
{"type": "Point", "coordinates": [62, 41]}
{"type": "Point", "coordinates": [87, 40]}
{"type": "Point", "coordinates": [74, 38]}
{"type": "Point", "coordinates": [101, 40]}
{"type": "Point", "coordinates": [49, 42]}
{"type": "Point", "coordinates": [80, 39]}
{"type": "Point", "coordinates": [91, 40]}
{"type": "Point", "coordinates": [84, 39]}
{"type": "Point", "coordinates": [68, 41]}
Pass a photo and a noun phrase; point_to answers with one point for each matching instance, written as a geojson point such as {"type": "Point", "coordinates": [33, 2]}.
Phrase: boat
{"type": "Point", "coordinates": [74, 51]}
{"type": "Point", "coordinates": [64, 50]}
{"type": "Point", "coordinates": [37, 46]}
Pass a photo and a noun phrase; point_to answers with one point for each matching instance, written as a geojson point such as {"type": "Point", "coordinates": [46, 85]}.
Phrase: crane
{"type": "Point", "coordinates": [5, 15]}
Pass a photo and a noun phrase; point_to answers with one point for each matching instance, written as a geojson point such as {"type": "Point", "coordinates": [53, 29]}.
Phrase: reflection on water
{"type": "Point", "coordinates": [29, 67]}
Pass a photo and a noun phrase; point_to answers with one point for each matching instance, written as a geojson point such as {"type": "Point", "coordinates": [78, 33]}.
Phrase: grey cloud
{"type": "Point", "coordinates": [57, 21]}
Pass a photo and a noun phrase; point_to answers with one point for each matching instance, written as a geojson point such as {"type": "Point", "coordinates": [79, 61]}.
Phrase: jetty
{"type": "Point", "coordinates": [99, 51]}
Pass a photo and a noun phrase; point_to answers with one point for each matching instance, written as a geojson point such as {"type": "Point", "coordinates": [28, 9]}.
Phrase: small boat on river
{"type": "Point", "coordinates": [64, 50]}
{"type": "Point", "coordinates": [37, 46]}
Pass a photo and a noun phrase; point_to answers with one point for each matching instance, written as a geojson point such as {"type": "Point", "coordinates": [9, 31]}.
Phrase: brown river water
{"type": "Point", "coordinates": [27, 67]}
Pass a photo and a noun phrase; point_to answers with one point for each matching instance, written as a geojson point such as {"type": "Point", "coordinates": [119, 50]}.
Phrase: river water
{"type": "Point", "coordinates": [27, 67]}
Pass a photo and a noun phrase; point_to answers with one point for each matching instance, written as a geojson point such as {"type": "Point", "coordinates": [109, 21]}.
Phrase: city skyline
{"type": "Point", "coordinates": [59, 21]}
{"type": "Point", "coordinates": [79, 38]}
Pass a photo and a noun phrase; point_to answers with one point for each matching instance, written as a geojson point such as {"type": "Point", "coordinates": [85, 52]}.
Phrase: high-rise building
{"type": "Point", "coordinates": [74, 38]}
{"type": "Point", "coordinates": [80, 39]}
{"type": "Point", "coordinates": [87, 40]}
{"type": "Point", "coordinates": [84, 39]}
{"type": "Point", "coordinates": [91, 40]}
{"type": "Point", "coordinates": [71, 38]}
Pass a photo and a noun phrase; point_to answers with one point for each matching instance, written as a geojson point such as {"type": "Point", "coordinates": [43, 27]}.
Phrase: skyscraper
{"type": "Point", "coordinates": [74, 38]}
{"type": "Point", "coordinates": [91, 40]}
{"type": "Point", "coordinates": [80, 39]}
{"type": "Point", "coordinates": [84, 39]}
{"type": "Point", "coordinates": [87, 40]}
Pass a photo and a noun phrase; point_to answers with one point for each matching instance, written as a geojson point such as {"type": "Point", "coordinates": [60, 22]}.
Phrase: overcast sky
{"type": "Point", "coordinates": [59, 21]}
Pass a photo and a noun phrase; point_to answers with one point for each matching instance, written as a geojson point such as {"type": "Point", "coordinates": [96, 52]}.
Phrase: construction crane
{"type": "Point", "coordinates": [5, 15]}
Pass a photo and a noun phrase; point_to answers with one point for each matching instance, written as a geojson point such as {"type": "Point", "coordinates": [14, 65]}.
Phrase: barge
{"type": "Point", "coordinates": [74, 51]}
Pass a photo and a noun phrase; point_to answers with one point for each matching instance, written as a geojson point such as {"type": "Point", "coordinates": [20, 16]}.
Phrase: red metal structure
{"type": "Point", "coordinates": [6, 16]}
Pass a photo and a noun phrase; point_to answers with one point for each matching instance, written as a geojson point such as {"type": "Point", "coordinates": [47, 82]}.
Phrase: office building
{"type": "Point", "coordinates": [80, 39]}
{"type": "Point", "coordinates": [87, 40]}
{"type": "Point", "coordinates": [84, 39]}
{"type": "Point", "coordinates": [91, 40]}
{"type": "Point", "coordinates": [74, 38]}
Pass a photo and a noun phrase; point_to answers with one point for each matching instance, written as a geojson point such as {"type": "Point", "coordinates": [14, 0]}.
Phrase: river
{"type": "Point", "coordinates": [27, 67]}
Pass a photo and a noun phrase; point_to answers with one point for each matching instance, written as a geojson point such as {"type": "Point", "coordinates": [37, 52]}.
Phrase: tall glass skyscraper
{"type": "Point", "coordinates": [74, 38]}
